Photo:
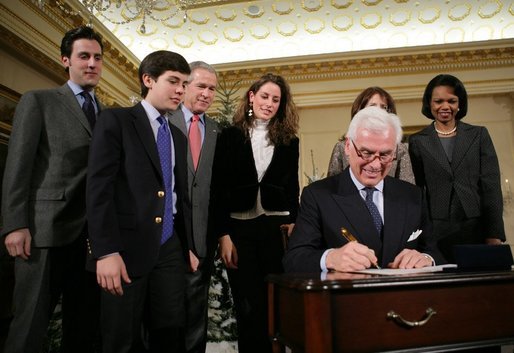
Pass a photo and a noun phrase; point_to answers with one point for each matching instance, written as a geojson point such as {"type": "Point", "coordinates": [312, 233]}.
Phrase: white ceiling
{"type": "Point", "coordinates": [224, 31]}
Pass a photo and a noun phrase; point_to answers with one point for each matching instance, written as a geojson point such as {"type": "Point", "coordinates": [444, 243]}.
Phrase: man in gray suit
{"type": "Point", "coordinates": [198, 98]}
{"type": "Point", "coordinates": [44, 203]}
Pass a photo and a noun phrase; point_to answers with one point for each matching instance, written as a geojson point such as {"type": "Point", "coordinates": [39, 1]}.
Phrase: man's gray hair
{"type": "Point", "coordinates": [376, 120]}
{"type": "Point", "coordinates": [202, 65]}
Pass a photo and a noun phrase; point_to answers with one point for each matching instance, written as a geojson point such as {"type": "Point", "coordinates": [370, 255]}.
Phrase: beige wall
{"type": "Point", "coordinates": [21, 77]}
{"type": "Point", "coordinates": [324, 86]}
{"type": "Point", "coordinates": [320, 127]}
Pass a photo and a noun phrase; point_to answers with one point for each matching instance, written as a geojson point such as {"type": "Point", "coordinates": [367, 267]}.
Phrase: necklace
{"type": "Point", "coordinates": [444, 133]}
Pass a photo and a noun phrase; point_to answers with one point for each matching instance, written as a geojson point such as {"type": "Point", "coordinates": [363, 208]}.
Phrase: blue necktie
{"type": "Point", "coordinates": [375, 214]}
{"type": "Point", "coordinates": [88, 108]}
{"type": "Point", "coordinates": [164, 149]}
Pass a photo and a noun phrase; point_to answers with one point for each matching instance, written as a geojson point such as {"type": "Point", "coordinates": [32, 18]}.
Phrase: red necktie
{"type": "Point", "coordinates": [195, 139]}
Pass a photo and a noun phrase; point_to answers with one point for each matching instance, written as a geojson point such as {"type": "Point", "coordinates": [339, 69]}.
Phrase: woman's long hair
{"type": "Point", "coordinates": [283, 126]}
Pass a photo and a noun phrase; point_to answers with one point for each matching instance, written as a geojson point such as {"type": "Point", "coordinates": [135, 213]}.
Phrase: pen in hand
{"type": "Point", "coordinates": [349, 236]}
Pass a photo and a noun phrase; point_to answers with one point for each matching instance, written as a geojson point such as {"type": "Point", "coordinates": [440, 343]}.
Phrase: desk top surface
{"type": "Point", "coordinates": [351, 281]}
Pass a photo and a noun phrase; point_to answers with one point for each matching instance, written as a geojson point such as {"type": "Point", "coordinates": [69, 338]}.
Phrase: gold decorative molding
{"type": "Point", "coordinates": [279, 10]}
{"type": "Point", "coordinates": [459, 12]}
{"type": "Point", "coordinates": [429, 15]}
{"type": "Point", "coordinates": [371, 20]}
{"type": "Point", "coordinates": [314, 25]}
{"type": "Point", "coordinates": [400, 18]}
{"type": "Point", "coordinates": [340, 4]}
{"type": "Point", "coordinates": [182, 40]}
{"type": "Point", "coordinates": [483, 10]}
{"type": "Point", "coordinates": [208, 37]}
{"type": "Point", "coordinates": [23, 50]}
{"type": "Point", "coordinates": [259, 31]}
{"type": "Point", "coordinates": [387, 62]}
{"type": "Point", "coordinates": [225, 14]}
{"type": "Point", "coordinates": [33, 35]}
{"type": "Point", "coordinates": [233, 34]}
{"type": "Point", "coordinates": [342, 23]}
{"type": "Point", "coordinates": [312, 5]}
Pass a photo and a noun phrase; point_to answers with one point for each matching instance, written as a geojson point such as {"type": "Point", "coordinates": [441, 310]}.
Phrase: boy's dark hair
{"type": "Point", "coordinates": [82, 32]}
{"type": "Point", "coordinates": [158, 62]}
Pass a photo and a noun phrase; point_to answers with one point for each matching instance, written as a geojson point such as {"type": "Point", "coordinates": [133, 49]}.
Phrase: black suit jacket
{"type": "Point", "coordinates": [473, 175]}
{"type": "Point", "coordinates": [235, 183]}
{"type": "Point", "coordinates": [124, 180]}
{"type": "Point", "coordinates": [333, 203]}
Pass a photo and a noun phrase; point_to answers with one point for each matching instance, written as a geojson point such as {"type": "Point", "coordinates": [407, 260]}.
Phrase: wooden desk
{"type": "Point", "coordinates": [349, 312]}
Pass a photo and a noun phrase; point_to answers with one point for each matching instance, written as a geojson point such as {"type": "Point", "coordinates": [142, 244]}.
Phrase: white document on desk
{"type": "Point", "coordinates": [399, 271]}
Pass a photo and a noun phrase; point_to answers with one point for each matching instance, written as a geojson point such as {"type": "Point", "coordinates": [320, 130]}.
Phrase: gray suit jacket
{"type": "Point", "coordinates": [473, 175]}
{"type": "Point", "coordinates": [199, 181]}
{"type": "Point", "coordinates": [45, 175]}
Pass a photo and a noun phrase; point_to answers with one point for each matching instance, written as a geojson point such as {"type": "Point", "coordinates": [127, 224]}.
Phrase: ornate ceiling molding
{"type": "Point", "coordinates": [389, 62]}
{"type": "Point", "coordinates": [31, 55]}
{"type": "Point", "coordinates": [324, 80]}
{"type": "Point", "coordinates": [22, 36]}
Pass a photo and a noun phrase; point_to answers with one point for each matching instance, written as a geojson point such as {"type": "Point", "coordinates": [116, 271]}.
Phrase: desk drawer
{"type": "Point", "coordinates": [360, 318]}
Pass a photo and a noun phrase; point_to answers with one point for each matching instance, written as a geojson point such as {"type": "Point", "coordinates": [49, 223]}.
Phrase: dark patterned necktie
{"type": "Point", "coordinates": [375, 214]}
{"type": "Point", "coordinates": [88, 108]}
{"type": "Point", "coordinates": [164, 149]}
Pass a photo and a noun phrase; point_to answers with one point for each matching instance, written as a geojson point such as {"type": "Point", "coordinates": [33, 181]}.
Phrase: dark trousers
{"type": "Point", "coordinates": [155, 299]}
{"type": "Point", "coordinates": [457, 230]}
{"type": "Point", "coordinates": [260, 250]}
{"type": "Point", "coordinates": [39, 283]}
{"type": "Point", "coordinates": [197, 304]}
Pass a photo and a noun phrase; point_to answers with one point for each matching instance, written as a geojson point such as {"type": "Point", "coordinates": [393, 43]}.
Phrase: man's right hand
{"type": "Point", "coordinates": [110, 270]}
{"type": "Point", "coordinates": [351, 257]}
{"type": "Point", "coordinates": [18, 243]}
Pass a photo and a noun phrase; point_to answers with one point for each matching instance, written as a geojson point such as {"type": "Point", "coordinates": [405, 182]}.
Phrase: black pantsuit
{"type": "Point", "coordinates": [464, 191]}
{"type": "Point", "coordinates": [259, 246]}
{"type": "Point", "coordinates": [258, 240]}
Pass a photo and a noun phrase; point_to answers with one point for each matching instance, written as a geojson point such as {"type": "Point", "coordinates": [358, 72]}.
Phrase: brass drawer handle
{"type": "Point", "coordinates": [392, 315]}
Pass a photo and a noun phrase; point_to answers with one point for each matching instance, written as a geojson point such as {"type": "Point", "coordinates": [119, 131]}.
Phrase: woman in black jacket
{"type": "Point", "coordinates": [457, 166]}
{"type": "Point", "coordinates": [255, 193]}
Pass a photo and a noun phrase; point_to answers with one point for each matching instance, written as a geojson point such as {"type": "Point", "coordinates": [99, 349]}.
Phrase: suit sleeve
{"type": "Point", "coordinates": [428, 243]}
{"type": "Point", "coordinates": [220, 186]}
{"type": "Point", "coordinates": [293, 186]}
{"type": "Point", "coordinates": [417, 162]}
{"type": "Point", "coordinates": [23, 148]}
{"type": "Point", "coordinates": [405, 165]}
{"type": "Point", "coordinates": [336, 164]}
{"type": "Point", "coordinates": [306, 244]}
{"type": "Point", "coordinates": [490, 189]}
{"type": "Point", "coordinates": [104, 164]}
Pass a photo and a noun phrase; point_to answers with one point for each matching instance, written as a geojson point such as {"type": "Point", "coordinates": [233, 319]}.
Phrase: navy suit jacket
{"type": "Point", "coordinates": [333, 203]}
{"type": "Point", "coordinates": [123, 189]}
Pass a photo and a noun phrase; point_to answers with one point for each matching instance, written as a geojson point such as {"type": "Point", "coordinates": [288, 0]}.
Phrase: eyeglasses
{"type": "Point", "coordinates": [370, 156]}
